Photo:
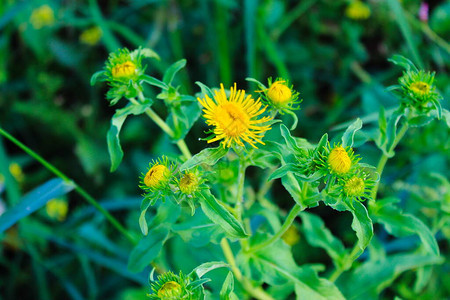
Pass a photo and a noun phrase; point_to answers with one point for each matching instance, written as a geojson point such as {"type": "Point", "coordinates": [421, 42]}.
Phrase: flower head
{"type": "Point", "coordinates": [91, 36]}
{"type": "Point", "coordinates": [357, 10]}
{"type": "Point", "coordinates": [338, 160]}
{"type": "Point", "coordinates": [418, 89]}
{"type": "Point", "coordinates": [280, 95]}
{"type": "Point", "coordinates": [123, 66]}
{"type": "Point", "coordinates": [189, 183]}
{"type": "Point", "coordinates": [169, 286]}
{"type": "Point", "coordinates": [157, 176]}
{"type": "Point", "coordinates": [57, 209]}
{"type": "Point", "coordinates": [357, 186]}
{"type": "Point", "coordinates": [234, 118]}
{"type": "Point", "coordinates": [42, 16]}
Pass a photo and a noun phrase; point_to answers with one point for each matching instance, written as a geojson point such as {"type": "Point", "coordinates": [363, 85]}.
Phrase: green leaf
{"type": "Point", "coordinates": [400, 224]}
{"type": "Point", "coordinates": [95, 77]}
{"type": "Point", "coordinates": [403, 62]}
{"type": "Point", "coordinates": [198, 231]}
{"type": "Point", "coordinates": [217, 213]}
{"type": "Point", "coordinates": [183, 117]}
{"type": "Point", "coordinates": [173, 70]}
{"type": "Point", "coordinates": [349, 134]}
{"type": "Point", "coordinates": [319, 236]}
{"type": "Point", "coordinates": [114, 148]}
{"type": "Point", "coordinates": [391, 130]}
{"type": "Point", "coordinates": [275, 265]}
{"type": "Point", "coordinates": [372, 277]}
{"type": "Point", "coordinates": [153, 81]}
{"type": "Point", "coordinates": [209, 266]}
{"type": "Point", "coordinates": [290, 141]}
{"type": "Point", "coordinates": [361, 224]}
{"type": "Point", "coordinates": [147, 249]}
{"type": "Point", "coordinates": [226, 293]}
{"type": "Point", "coordinates": [205, 89]}
{"type": "Point", "coordinates": [437, 105]}
{"type": "Point", "coordinates": [420, 121]}
{"type": "Point", "coordinates": [382, 124]}
{"type": "Point", "coordinates": [34, 200]}
{"type": "Point", "coordinates": [146, 52]}
{"type": "Point", "coordinates": [260, 85]}
{"type": "Point", "coordinates": [208, 156]}
{"type": "Point", "coordinates": [282, 171]}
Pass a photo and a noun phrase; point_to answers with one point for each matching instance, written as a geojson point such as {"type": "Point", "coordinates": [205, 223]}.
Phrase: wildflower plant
{"type": "Point", "coordinates": [221, 203]}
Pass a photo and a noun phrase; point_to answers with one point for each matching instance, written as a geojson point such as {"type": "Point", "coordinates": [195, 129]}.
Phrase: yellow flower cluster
{"type": "Point", "coordinates": [42, 16]}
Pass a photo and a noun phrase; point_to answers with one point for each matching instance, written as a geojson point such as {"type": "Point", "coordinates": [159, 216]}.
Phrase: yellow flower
{"type": "Point", "coordinates": [57, 209]}
{"type": "Point", "coordinates": [235, 118]}
{"type": "Point", "coordinates": [42, 16]}
{"type": "Point", "coordinates": [157, 176]}
{"type": "Point", "coordinates": [355, 187]}
{"type": "Point", "coordinates": [188, 183]}
{"type": "Point", "coordinates": [291, 236]}
{"type": "Point", "coordinates": [357, 10]}
{"type": "Point", "coordinates": [420, 88]}
{"type": "Point", "coordinates": [279, 93]}
{"type": "Point", "coordinates": [170, 290]}
{"type": "Point", "coordinates": [91, 36]}
{"type": "Point", "coordinates": [123, 70]}
{"type": "Point", "coordinates": [16, 171]}
{"type": "Point", "coordinates": [339, 160]}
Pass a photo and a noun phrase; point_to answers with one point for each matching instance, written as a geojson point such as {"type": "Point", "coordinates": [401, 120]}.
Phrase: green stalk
{"type": "Point", "coordinates": [78, 189]}
{"type": "Point", "coordinates": [347, 265]}
{"type": "Point", "coordinates": [240, 190]}
{"type": "Point", "coordinates": [287, 223]}
{"type": "Point", "coordinates": [164, 127]}
{"type": "Point", "coordinates": [384, 158]}
{"type": "Point", "coordinates": [255, 292]}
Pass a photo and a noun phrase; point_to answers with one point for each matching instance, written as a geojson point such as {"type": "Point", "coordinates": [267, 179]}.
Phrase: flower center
{"type": "Point", "coordinates": [155, 175]}
{"type": "Point", "coordinates": [232, 119]}
{"type": "Point", "coordinates": [125, 69]}
{"type": "Point", "coordinates": [170, 290]}
{"type": "Point", "coordinates": [279, 93]}
{"type": "Point", "coordinates": [420, 87]}
{"type": "Point", "coordinates": [188, 183]}
{"type": "Point", "coordinates": [339, 161]}
{"type": "Point", "coordinates": [354, 186]}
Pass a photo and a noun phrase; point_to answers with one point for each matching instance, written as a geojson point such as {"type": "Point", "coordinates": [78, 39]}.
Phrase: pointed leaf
{"type": "Point", "coordinates": [349, 134]}
{"type": "Point", "coordinates": [361, 224]}
{"type": "Point", "coordinates": [173, 70]}
{"type": "Point", "coordinates": [208, 156]}
{"type": "Point", "coordinates": [217, 213]}
{"type": "Point", "coordinates": [226, 293]}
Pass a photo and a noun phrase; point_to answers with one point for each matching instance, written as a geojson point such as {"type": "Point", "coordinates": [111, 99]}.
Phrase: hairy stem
{"type": "Point", "coordinates": [256, 292]}
{"type": "Point", "coordinates": [78, 189]}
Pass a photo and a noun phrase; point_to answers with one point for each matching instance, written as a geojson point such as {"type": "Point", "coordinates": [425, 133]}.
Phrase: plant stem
{"type": "Point", "coordinates": [78, 189]}
{"type": "Point", "coordinates": [164, 127]}
{"type": "Point", "coordinates": [287, 223]}
{"type": "Point", "coordinates": [256, 292]}
{"type": "Point", "coordinates": [240, 189]}
{"type": "Point", "coordinates": [384, 158]}
{"type": "Point", "coordinates": [347, 265]}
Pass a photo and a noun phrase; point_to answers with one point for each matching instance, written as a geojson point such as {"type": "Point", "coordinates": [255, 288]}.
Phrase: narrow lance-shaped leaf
{"type": "Point", "coordinates": [319, 236]}
{"type": "Point", "coordinates": [147, 249]}
{"type": "Point", "coordinates": [114, 148]}
{"type": "Point", "coordinates": [34, 200]}
{"type": "Point", "coordinates": [173, 70]}
{"type": "Point", "coordinates": [290, 141]}
{"type": "Point", "coordinates": [349, 134]}
{"type": "Point", "coordinates": [361, 224]}
{"type": "Point", "coordinates": [226, 293]}
{"type": "Point", "coordinates": [217, 213]}
{"type": "Point", "coordinates": [208, 156]}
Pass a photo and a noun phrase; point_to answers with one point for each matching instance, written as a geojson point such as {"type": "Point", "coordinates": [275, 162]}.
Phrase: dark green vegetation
{"type": "Point", "coordinates": [338, 64]}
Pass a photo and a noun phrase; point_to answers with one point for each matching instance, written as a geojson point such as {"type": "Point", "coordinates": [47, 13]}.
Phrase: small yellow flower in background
{"type": "Point", "coordinates": [156, 176]}
{"type": "Point", "coordinates": [235, 118]}
{"type": "Point", "coordinates": [189, 183]}
{"type": "Point", "coordinates": [170, 290]}
{"type": "Point", "coordinates": [291, 236]}
{"type": "Point", "coordinates": [91, 36]}
{"type": "Point", "coordinates": [16, 172]}
{"type": "Point", "coordinates": [357, 10]}
{"type": "Point", "coordinates": [339, 161]}
{"type": "Point", "coordinates": [57, 209]}
{"type": "Point", "coordinates": [42, 16]}
{"type": "Point", "coordinates": [354, 187]}
{"type": "Point", "coordinates": [279, 93]}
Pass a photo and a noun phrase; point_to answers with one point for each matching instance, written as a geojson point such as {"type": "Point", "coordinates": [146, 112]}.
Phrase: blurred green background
{"type": "Point", "coordinates": [338, 63]}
